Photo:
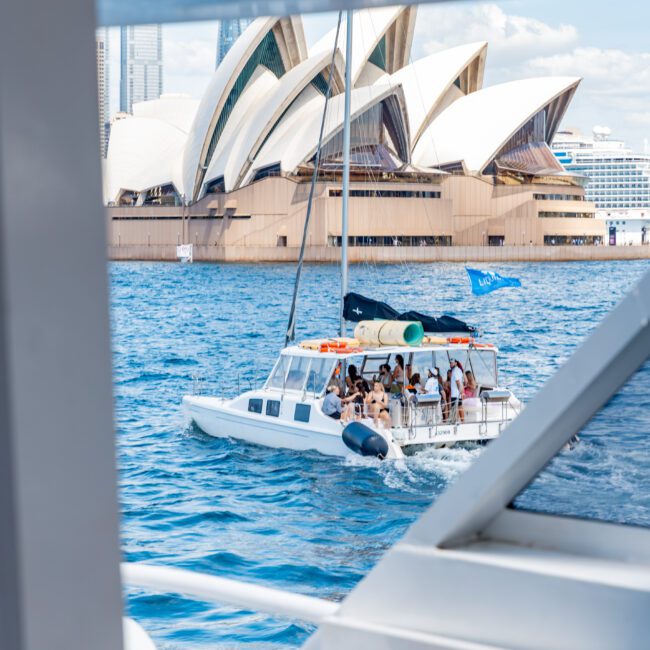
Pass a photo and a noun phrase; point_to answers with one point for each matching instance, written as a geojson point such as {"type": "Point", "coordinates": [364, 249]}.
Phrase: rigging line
{"type": "Point", "coordinates": [291, 326]}
{"type": "Point", "coordinates": [401, 257]}
{"type": "Point", "coordinates": [419, 180]}
{"type": "Point", "coordinates": [374, 175]}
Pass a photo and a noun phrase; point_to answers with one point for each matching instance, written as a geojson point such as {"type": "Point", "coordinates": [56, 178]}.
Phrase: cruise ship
{"type": "Point", "coordinates": [619, 178]}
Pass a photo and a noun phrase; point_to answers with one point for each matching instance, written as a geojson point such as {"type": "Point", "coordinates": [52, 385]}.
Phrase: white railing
{"type": "Point", "coordinates": [224, 591]}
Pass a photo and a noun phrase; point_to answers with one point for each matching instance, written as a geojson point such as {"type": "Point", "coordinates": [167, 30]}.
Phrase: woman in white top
{"type": "Point", "coordinates": [432, 385]}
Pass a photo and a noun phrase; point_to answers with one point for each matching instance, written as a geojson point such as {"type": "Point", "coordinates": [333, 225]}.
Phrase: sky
{"type": "Point", "coordinates": [605, 43]}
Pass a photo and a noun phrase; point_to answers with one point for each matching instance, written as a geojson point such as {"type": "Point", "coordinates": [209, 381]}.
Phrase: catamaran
{"type": "Point", "coordinates": [287, 411]}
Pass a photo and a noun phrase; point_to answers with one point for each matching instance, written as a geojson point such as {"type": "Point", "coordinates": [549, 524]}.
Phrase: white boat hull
{"type": "Point", "coordinates": [217, 418]}
{"type": "Point", "coordinates": [222, 418]}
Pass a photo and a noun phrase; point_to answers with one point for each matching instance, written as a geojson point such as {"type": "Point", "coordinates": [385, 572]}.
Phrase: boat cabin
{"type": "Point", "coordinates": [311, 371]}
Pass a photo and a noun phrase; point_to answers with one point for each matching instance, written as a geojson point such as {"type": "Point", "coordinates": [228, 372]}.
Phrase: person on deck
{"type": "Point", "coordinates": [361, 390]}
{"type": "Point", "coordinates": [385, 376]}
{"type": "Point", "coordinates": [431, 386]}
{"type": "Point", "coordinates": [398, 372]}
{"type": "Point", "coordinates": [471, 386]}
{"type": "Point", "coordinates": [377, 401]}
{"type": "Point", "coordinates": [434, 384]}
{"type": "Point", "coordinates": [353, 375]}
{"type": "Point", "coordinates": [333, 404]}
{"type": "Point", "coordinates": [456, 385]}
{"type": "Point", "coordinates": [415, 385]}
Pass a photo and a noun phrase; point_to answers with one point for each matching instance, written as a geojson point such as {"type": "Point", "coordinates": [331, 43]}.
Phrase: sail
{"type": "Point", "coordinates": [357, 308]}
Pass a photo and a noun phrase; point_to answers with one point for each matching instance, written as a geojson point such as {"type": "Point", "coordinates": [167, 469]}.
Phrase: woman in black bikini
{"type": "Point", "coordinates": [377, 402]}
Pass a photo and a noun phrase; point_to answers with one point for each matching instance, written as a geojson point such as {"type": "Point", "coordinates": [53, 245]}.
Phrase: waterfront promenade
{"type": "Point", "coordinates": [384, 254]}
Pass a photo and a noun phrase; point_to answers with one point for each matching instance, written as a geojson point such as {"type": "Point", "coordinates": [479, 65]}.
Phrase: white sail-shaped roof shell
{"type": "Point", "coordinates": [176, 109]}
{"type": "Point", "coordinates": [262, 83]}
{"type": "Point", "coordinates": [475, 127]}
{"type": "Point", "coordinates": [369, 27]}
{"type": "Point", "coordinates": [263, 108]}
{"type": "Point", "coordinates": [427, 82]}
{"type": "Point", "coordinates": [141, 155]}
{"type": "Point", "coordinates": [292, 49]}
{"type": "Point", "coordinates": [237, 158]}
{"type": "Point", "coordinates": [295, 139]}
{"type": "Point", "coordinates": [145, 150]}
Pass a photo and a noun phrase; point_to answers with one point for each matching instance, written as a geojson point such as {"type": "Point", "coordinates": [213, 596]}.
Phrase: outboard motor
{"type": "Point", "coordinates": [362, 440]}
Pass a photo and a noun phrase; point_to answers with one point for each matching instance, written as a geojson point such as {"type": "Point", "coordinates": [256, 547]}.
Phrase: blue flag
{"type": "Point", "coordinates": [485, 281]}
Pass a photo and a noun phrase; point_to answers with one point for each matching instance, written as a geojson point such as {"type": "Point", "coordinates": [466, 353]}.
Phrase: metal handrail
{"type": "Point", "coordinates": [198, 382]}
{"type": "Point", "coordinates": [225, 591]}
{"type": "Point", "coordinates": [432, 417]}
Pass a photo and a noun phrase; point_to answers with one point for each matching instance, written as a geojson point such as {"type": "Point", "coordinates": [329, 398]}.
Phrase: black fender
{"type": "Point", "coordinates": [362, 440]}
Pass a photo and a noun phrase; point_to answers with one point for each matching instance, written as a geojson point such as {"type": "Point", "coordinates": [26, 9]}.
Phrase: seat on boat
{"type": "Point", "coordinates": [426, 409]}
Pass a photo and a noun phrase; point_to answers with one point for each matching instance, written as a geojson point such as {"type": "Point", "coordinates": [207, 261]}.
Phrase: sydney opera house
{"type": "Point", "coordinates": [438, 159]}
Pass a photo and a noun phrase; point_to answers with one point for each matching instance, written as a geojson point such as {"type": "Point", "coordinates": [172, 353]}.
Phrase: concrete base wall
{"type": "Point", "coordinates": [386, 254]}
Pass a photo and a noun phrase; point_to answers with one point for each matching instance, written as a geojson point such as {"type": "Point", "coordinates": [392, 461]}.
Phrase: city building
{"type": "Point", "coordinates": [437, 158]}
{"type": "Point", "coordinates": [619, 178]}
{"type": "Point", "coordinates": [229, 32]}
{"type": "Point", "coordinates": [103, 86]}
{"type": "Point", "coordinates": [141, 77]}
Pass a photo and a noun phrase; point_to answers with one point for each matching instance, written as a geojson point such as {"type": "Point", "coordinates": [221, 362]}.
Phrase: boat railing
{"type": "Point", "coordinates": [250, 382]}
{"type": "Point", "coordinates": [225, 591]}
{"type": "Point", "coordinates": [415, 415]}
{"type": "Point", "coordinates": [198, 383]}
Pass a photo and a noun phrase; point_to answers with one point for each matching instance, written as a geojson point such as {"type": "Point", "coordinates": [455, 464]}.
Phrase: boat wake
{"type": "Point", "coordinates": [435, 468]}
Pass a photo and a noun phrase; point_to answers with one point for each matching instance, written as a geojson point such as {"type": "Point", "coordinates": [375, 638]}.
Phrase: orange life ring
{"type": "Point", "coordinates": [336, 345]}
{"type": "Point", "coordinates": [460, 339]}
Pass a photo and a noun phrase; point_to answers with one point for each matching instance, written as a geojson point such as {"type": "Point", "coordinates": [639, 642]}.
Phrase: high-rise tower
{"type": "Point", "coordinates": [141, 65]}
{"type": "Point", "coordinates": [103, 97]}
{"type": "Point", "coordinates": [229, 32]}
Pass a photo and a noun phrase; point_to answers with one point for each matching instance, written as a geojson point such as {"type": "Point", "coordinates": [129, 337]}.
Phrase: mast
{"type": "Point", "coordinates": [291, 327]}
{"type": "Point", "coordinates": [346, 164]}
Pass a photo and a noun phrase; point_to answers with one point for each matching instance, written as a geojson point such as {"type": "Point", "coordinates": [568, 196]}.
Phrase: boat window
{"type": "Point", "coordinates": [461, 356]}
{"type": "Point", "coordinates": [298, 372]}
{"type": "Point", "coordinates": [279, 373]}
{"type": "Point", "coordinates": [421, 362]}
{"type": "Point", "coordinates": [254, 405]}
{"type": "Point", "coordinates": [273, 407]}
{"type": "Point", "coordinates": [483, 363]}
{"type": "Point", "coordinates": [370, 366]}
{"type": "Point", "coordinates": [302, 413]}
{"type": "Point", "coordinates": [441, 361]}
{"type": "Point", "coordinates": [318, 376]}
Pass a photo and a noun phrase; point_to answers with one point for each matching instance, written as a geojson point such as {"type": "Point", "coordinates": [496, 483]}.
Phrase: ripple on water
{"type": "Point", "coordinates": [304, 522]}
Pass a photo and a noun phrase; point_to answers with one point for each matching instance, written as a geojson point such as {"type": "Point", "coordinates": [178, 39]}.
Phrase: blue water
{"type": "Point", "coordinates": [304, 522]}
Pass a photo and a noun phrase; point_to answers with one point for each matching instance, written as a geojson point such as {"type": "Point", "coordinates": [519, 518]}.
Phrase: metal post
{"type": "Point", "coordinates": [59, 548]}
{"type": "Point", "coordinates": [346, 164]}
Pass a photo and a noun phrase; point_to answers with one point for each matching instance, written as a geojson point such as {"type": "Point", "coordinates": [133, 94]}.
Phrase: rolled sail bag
{"type": "Point", "coordinates": [389, 332]}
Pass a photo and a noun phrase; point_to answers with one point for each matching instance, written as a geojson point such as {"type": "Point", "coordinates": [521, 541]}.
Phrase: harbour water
{"type": "Point", "coordinates": [305, 522]}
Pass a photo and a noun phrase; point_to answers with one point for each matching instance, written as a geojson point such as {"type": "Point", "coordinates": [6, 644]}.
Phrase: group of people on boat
{"type": "Point", "coordinates": [358, 398]}
{"type": "Point", "coordinates": [355, 397]}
